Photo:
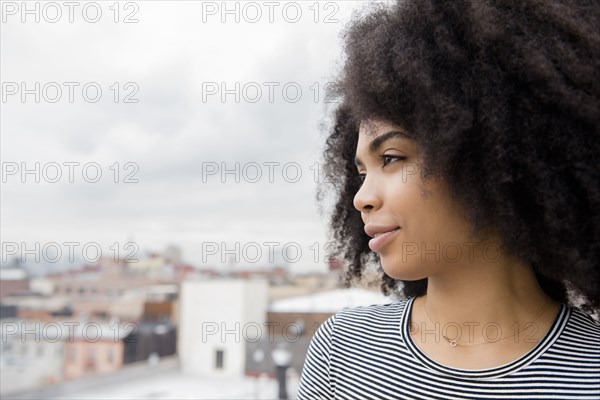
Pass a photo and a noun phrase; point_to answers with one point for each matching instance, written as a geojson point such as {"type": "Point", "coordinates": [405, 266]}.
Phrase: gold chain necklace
{"type": "Point", "coordinates": [454, 342]}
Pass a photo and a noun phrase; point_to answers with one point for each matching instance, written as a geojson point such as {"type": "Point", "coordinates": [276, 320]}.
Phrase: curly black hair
{"type": "Point", "coordinates": [503, 98]}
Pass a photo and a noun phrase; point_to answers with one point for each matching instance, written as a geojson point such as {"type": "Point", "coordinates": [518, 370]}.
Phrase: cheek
{"type": "Point", "coordinates": [407, 202]}
{"type": "Point", "coordinates": [423, 224]}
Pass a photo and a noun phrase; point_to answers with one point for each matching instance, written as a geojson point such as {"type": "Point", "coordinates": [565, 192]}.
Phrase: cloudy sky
{"type": "Point", "coordinates": [163, 98]}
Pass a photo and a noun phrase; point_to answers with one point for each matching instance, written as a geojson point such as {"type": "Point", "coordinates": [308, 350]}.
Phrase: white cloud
{"type": "Point", "coordinates": [171, 133]}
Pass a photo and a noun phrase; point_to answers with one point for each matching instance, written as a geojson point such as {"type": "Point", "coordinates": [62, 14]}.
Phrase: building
{"type": "Point", "coordinates": [13, 281]}
{"type": "Point", "coordinates": [31, 356]}
{"type": "Point", "coordinates": [216, 319]}
{"type": "Point", "coordinates": [151, 339]}
{"type": "Point", "coordinates": [94, 348]}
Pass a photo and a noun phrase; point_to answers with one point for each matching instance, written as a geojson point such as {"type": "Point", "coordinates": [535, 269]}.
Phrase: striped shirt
{"type": "Point", "coordinates": [367, 353]}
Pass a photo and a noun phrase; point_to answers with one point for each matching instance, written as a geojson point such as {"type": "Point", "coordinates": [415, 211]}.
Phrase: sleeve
{"type": "Point", "coordinates": [315, 382]}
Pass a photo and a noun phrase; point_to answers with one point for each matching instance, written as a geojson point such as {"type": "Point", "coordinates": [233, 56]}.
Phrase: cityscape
{"type": "Point", "coordinates": [160, 327]}
{"type": "Point", "coordinates": [160, 234]}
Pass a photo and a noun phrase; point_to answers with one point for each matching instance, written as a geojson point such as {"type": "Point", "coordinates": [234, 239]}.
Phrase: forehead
{"type": "Point", "coordinates": [369, 129]}
{"type": "Point", "coordinates": [373, 131]}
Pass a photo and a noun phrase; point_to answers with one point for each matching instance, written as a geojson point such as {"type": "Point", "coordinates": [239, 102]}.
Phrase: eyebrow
{"type": "Point", "coordinates": [381, 139]}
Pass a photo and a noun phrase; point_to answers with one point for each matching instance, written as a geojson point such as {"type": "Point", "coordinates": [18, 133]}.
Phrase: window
{"type": "Point", "coordinates": [91, 354]}
{"type": "Point", "coordinates": [72, 354]}
{"type": "Point", "coordinates": [219, 355]}
{"type": "Point", "coordinates": [6, 346]}
{"type": "Point", "coordinates": [111, 355]}
{"type": "Point", "coordinates": [90, 362]}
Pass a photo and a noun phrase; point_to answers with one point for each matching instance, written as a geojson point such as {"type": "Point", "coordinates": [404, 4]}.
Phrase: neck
{"type": "Point", "coordinates": [501, 292]}
{"type": "Point", "coordinates": [481, 314]}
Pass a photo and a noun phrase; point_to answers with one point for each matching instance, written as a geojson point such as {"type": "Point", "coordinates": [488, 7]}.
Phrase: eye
{"type": "Point", "coordinates": [388, 158]}
{"type": "Point", "coordinates": [358, 177]}
{"type": "Point", "coordinates": [361, 178]}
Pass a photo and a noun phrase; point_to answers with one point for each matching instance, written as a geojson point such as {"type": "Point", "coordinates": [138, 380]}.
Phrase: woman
{"type": "Point", "coordinates": [465, 159]}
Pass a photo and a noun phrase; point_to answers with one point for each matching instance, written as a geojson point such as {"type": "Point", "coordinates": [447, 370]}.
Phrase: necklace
{"type": "Point", "coordinates": [454, 342]}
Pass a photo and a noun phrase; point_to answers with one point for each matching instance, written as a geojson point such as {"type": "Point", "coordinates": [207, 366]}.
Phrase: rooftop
{"type": "Point", "coordinates": [160, 381]}
{"type": "Point", "coordinates": [331, 301]}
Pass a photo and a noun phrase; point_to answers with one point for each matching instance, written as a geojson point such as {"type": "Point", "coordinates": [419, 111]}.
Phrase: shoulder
{"type": "Point", "coordinates": [356, 334]}
{"type": "Point", "coordinates": [576, 341]}
{"type": "Point", "coordinates": [581, 329]}
{"type": "Point", "coordinates": [371, 314]}
{"type": "Point", "coordinates": [370, 321]}
{"type": "Point", "coordinates": [355, 330]}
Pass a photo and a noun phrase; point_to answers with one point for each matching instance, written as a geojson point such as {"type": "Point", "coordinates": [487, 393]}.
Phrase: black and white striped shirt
{"type": "Point", "coordinates": [367, 353]}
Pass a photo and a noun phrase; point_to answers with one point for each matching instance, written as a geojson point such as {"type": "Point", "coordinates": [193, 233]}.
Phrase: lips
{"type": "Point", "coordinates": [381, 235]}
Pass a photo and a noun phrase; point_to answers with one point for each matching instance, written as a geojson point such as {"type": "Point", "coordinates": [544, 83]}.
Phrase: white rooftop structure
{"type": "Point", "coordinates": [12, 274]}
{"type": "Point", "coordinates": [331, 301]}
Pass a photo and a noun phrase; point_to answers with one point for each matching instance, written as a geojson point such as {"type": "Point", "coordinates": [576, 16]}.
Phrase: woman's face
{"type": "Point", "coordinates": [416, 230]}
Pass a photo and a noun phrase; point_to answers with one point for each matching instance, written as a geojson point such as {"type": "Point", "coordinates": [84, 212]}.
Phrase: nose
{"type": "Point", "coordinates": [367, 198]}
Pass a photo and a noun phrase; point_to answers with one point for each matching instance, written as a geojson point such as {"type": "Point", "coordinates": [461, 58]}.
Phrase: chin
{"type": "Point", "coordinates": [403, 271]}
